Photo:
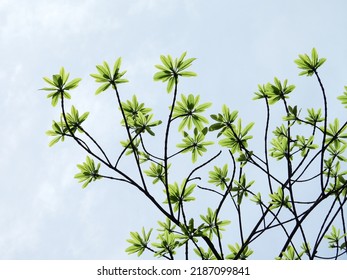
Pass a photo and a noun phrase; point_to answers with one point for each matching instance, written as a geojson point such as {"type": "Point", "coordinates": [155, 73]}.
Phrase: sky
{"type": "Point", "coordinates": [44, 212]}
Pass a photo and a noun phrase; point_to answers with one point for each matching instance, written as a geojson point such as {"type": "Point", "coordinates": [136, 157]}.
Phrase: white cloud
{"type": "Point", "coordinates": [57, 25]}
{"type": "Point", "coordinates": [139, 7]}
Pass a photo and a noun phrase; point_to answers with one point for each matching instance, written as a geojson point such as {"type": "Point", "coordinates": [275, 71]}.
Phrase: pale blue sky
{"type": "Point", "coordinates": [239, 44]}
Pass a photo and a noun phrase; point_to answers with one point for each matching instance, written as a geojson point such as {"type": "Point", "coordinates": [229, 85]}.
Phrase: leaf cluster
{"type": "Point", "coordinates": [156, 171]}
{"type": "Point", "coordinates": [241, 188]}
{"type": "Point", "coordinates": [190, 111]}
{"type": "Point", "coordinates": [290, 254]}
{"type": "Point", "coordinates": [335, 133]}
{"type": "Point", "coordinates": [108, 77]}
{"type": "Point", "coordinates": [334, 238]}
{"type": "Point", "coordinates": [279, 199]}
{"type": "Point", "coordinates": [60, 129]}
{"type": "Point", "coordinates": [88, 172]}
{"type": "Point", "coordinates": [309, 65]}
{"type": "Point", "coordinates": [219, 176]}
{"type": "Point", "coordinates": [195, 143]}
{"type": "Point", "coordinates": [138, 242]}
{"type": "Point", "coordinates": [171, 69]}
{"type": "Point", "coordinates": [235, 250]}
{"type": "Point", "coordinates": [274, 92]}
{"type": "Point", "coordinates": [223, 120]}
{"type": "Point", "coordinates": [138, 117]}
{"type": "Point", "coordinates": [60, 86]}
{"type": "Point", "coordinates": [213, 225]}
{"type": "Point", "coordinates": [236, 136]}
{"type": "Point", "coordinates": [343, 97]}
{"type": "Point", "coordinates": [181, 194]}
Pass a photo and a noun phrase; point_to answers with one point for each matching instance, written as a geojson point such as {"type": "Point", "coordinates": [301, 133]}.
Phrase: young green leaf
{"type": "Point", "coordinates": [236, 138]}
{"type": "Point", "coordinates": [138, 242]}
{"type": "Point", "coordinates": [60, 86]}
{"type": "Point", "coordinates": [156, 171]}
{"type": "Point", "coordinates": [241, 188]}
{"type": "Point", "coordinates": [167, 244]}
{"type": "Point", "coordinates": [290, 254]}
{"type": "Point", "coordinates": [309, 65]}
{"type": "Point", "coordinates": [219, 177]}
{"type": "Point", "coordinates": [88, 172]}
{"type": "Point", "coordinates": [278, 199]}
{"type": "Point", "coordinates": [171, 69]}
{"type": "Point", "coordinates": [189, 110]}
{"type": "Point", "coordinates": [59, 131]}
{"type": "Point", "coordinates": [246, 252]}
{"type": "Point", "coordinates": [74, 120]}
{"type": "Point", "coordinates": [278, 91]}
{"type": "Point", "coordinates": [334, 237]}
{"type": "Point", "coordinates": [213, 226]}
{"type": "Point", "coordinates": [223, 120]}
{"type": "Point", "coordinates": [108, 78]}
{"type": "Point", "coordinates": [194, 144]}
{"type": "Point", "coordinates": [335, 133]}
{"type": "Point", "coordinates": [343, 97]}
{"type": "Point", "coordinates": [180, 194]}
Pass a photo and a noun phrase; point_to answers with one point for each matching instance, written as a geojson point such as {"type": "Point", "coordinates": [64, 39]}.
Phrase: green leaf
{"type": "Point", "coordinates": [343, 97]}
{"type": "Point", "coordinates": [187, 74]}
{"type": "Point", "coordinates": [73, 84]}
{"type": "Point", "coordinates": [213, 226]}
{"type": "Point", "coordinates": [194, 144]}
{"type": "Point", "coordinates": [257, 198]}
{"type": "Point", "coordinates": [107, 69]}
{"type": "Point", "coordinates": [102, 88]}
{"type": "Point", "coordinates": [167, 61]}
{"type": "Point", "coordinates": [63, 76]}
{"type": "Point", "coordinates": [241, 188]}
{"type": "Point", "coordinates": [187, 63]}
{"type": "Point", "coordinates": [335, 133]}
{"type": "Point", "coordinates": [88, 172]}
{"type": "Point", "coordinates": [262, 93]}
{"type": "Point", "coordinates": [290, 254]}
{"type": "Point", "coordinates": [314, 117]}
{"type": "Point", "coordinates": [162, 76]}
{"type": "Point", "coordinates": [166, 245]}
{"type": "Point", "coordinates": [219, 176]}
{"type": "Point", "coordinates": [171, 69]}
{"type": "Point", "coordinates": [279, 149]}
{"type": "Point", "coordinates": [59, 131]}
{"type": "Point", "coordinates": [60, 86]}
{"type": "Point", "coordinates": [47, 80]}
{"type": "Point", "coordinates": [99, 78]}
{"type": "Point", "coordinates": [74, 120]}
{"type": "Point", "coordinates": [246, 252]}
{"type": "Point", "coordinates": [278, 200]}
{"type": "Point", "coordinates": [189, 110]}
{"type": "Point", "coordinates": [277, 91]}
{"type": "Point", "coordinates": [156, 171]}
{"type": "Point", "coordinates": [121, 81]}
{"type": "Point", "coordinates": [224, 121]}
{"type": "Point", "coordinates": [180, 194]}
{"type": "Point", "coordinates": [309, 65]}
{"type": "Point", "coordinates": [116, 66]}
{"type": "Point", "coordinates": [170, 85]}
{"type": "Point", "coordinates": [236, 138]}
{"type": "Point", "coordinates": [138, 242]}
{"type": "Point", "coordinates": [167, 226]}
{"type": "Point", "coordinates": [107, 77]}
{"type": "Point", "coordinates": [305, 144]}
{"type": "Point", "coordinates": [205, 255]}
{"type": "Point", "coordinates": [334, 237]}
